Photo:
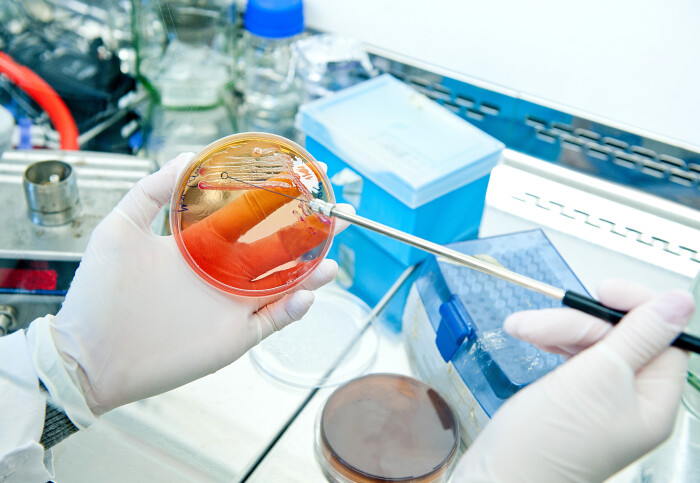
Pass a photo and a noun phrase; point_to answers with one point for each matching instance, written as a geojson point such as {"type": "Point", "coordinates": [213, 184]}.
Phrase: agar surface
{"type": "Point", "coordinates": [249, 239]}
{"type": "Point", "coordinates": [233, 168]}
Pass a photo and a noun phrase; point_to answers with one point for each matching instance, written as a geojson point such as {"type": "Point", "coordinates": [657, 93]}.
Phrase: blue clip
{"type": "Point", "coordinates": [454, 328]}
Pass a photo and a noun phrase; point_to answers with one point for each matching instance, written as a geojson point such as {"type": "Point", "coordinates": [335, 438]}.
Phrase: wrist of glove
{"type": "Point", "coordinates": [137, 321]}
{"type": "Point", "coordinates": [613, 401]}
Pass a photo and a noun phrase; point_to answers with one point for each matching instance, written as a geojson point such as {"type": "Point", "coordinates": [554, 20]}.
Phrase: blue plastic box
{"type": "Point", "coordinates": [402, 160]}
{"type": "Point", "coordinates": [458, 314]}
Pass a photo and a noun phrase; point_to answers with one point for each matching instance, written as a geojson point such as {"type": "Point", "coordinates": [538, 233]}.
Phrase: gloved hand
{"type": "Point", "coordinates": [137, 321]}
{"type": "Point", "coordinates": [601, 410]}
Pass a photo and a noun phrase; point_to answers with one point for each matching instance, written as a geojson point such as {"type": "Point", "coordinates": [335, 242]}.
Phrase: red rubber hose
{"type": "Point", "coordinates": [46, 97]}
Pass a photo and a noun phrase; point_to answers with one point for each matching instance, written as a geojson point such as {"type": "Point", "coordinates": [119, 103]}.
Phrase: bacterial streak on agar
{"type": "Point", "coordinates": [251, 241]}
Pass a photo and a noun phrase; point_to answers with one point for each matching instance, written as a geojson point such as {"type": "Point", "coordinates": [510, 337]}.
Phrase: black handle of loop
{"type": "Point", "coordinates": [593, 307]}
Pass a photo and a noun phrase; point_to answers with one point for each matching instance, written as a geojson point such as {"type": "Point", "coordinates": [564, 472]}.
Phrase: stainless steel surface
{"type": "Point", "coordinates": [102, 180]}
{"type": "Point", "coordinates": [30, 306]}
{"type": "Point", "coordinates": [51, 192]}
{"type": "Point", "coordinates": [8, 319]}
{"type": "Point", "coordinates": [440, 250]}
{"type": "Point", "coordinates": [580, 141]}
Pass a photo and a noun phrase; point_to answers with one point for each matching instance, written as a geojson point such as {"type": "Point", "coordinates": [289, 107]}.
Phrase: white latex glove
{"type": "Point", "coordinates": [137, 321]}
{"type": "Point", "coordinates": [601, 410]}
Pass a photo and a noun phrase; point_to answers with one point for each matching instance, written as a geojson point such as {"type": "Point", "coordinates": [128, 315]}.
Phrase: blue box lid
{"type": "Point", "coordinates": [467, 309]}
{"type": "Point", "coordinates": [409, 145]}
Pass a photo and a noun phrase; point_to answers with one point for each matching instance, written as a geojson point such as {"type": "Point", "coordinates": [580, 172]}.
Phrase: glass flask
{"type": "Point", "coordinates": [184, 50]}
{"type": "Point", "coordinates": [184, 59]}
{"type": "Point", "coordinates": [327, 63]}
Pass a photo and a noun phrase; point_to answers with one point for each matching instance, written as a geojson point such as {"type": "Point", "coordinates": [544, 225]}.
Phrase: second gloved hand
{"type": "Point", "coordinates": [613, 401]}
{"type": "Point", "coordinates": [137, 321]}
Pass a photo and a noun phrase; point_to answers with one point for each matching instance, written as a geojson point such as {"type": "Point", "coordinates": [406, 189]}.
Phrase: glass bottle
{"type": "Point", "coordinates": [271, 91]}
{"type": "Point", "coordinates": [185, 59]}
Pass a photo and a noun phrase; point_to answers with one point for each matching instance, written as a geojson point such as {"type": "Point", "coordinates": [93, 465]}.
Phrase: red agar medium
{"type": "Point", "coordinates": [240, 214]}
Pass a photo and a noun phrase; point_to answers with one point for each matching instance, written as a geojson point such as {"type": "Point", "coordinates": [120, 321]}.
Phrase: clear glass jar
{"type": "Point", "coordinates": [270, 88]}
{"type": "Point", "coordinates": [175, 131]}
{"type": "Point", "coordinates": [185, 50]}
{"type": "Point", "coordinates": [269, 80]}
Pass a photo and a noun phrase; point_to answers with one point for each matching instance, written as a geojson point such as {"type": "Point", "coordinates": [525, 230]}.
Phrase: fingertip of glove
{"type": "Point", "coordinates": [179, 162]}
{"type": "Point", "coordinates": [299, 303]}
{"type": "Point", "coordinates": [513, 323]}
{"type": "Point", "coordinates": [674, 307]}
{"type": "Point", "coordinates": [327, 269]}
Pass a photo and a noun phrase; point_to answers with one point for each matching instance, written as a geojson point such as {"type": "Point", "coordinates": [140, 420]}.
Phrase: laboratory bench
{"type": "Point", "coordinates": [239, 424]}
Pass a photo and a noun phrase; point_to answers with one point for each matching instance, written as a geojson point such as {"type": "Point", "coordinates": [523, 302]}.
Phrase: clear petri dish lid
{"type": "Point", "coordinates": [334, 342]}
{"type": "Point", "coordinates": [240, 215]}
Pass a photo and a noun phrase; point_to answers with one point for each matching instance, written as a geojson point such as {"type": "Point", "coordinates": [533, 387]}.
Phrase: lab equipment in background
{"type": "Point", "coordinates": [240, 214]}
{"type": "Point", "coordinates": [334, 342]}
{"type": "Point", "coordinates": [7, 126]}
{"type": "Point", "coordinates": [694, 365]}
{"type": "Point", "coordinates": [70, 45]}
{"type": "Point", "coordinates": [185, 59]}
{"type": "Point", "coordinates": [44, 95]}
{"type": "Point", "coordinates": [51, 190]}
{"type": "Point", "coordinates": [452, 324]}
{"type": "Point", "coordinates": [175, 131]}
{"type": "Point", "coordinates": [270, 88]}
{"type": "Point", "coordinates": [185, 50]}
{"type": "Point", "coordinates": [327, 63]}
{"type": "Point", "coordinates": [386, 427]}
{"type": "Point", "coordinates": [402, 160]}
{"type": "Point", "coordinates": [37, 262]}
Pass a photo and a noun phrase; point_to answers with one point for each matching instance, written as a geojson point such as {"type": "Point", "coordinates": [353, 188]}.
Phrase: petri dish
{"type": "Point", "coordinates": [240, 218]}
{"type": "Point", "coordinates": [333, 343]}
{"type": "Point", "coordinates": [386, 427]}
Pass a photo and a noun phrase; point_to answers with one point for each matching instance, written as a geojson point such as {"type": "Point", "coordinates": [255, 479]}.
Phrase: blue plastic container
{"type": "Point", "coordinates": [402, 160]}
{"type": "Point", "coordinates": [453, 324]}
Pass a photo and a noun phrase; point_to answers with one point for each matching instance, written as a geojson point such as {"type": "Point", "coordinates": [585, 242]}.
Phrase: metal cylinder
{"type": "Point", "coordinates": [51, 191]}
{"type": "Point", "coordinates": [8, 319]}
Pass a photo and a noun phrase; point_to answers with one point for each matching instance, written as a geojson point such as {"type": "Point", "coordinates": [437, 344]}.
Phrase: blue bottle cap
{"type": "Point", "coordinates": [274, 18]}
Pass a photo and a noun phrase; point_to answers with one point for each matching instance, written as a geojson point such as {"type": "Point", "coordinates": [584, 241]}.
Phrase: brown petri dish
{"type": "Point", "coordinates": [386, 427]}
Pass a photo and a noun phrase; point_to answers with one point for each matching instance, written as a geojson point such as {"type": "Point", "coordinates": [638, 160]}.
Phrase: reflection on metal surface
{"type": "Point", "coordinates": [102, 180]}
{"type": "Point", "coordinates": [656, 166]}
